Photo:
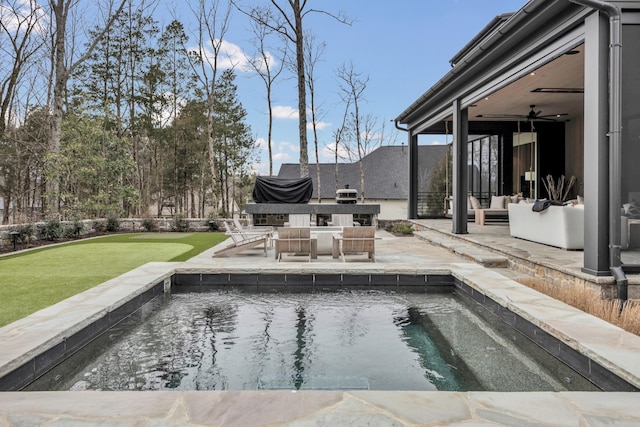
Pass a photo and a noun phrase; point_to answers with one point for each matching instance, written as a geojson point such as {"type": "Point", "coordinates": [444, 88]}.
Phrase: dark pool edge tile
{"type": "Point", "coordinates": [41, 363]}
{"type": "Point", "coordinates": [33, 368]}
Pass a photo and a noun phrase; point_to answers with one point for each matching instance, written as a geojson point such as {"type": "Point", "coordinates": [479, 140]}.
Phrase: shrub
{"type": "Point", "coordinates": [73, 229]}
{"type": "Point", "coordinates": [99, 226]}
{"type": "Point", "coordinates": [51, 230]}
{"type": "Point", "coordinates": [25, 233]}
{"type": "Point", "coordinates": [150, 224]}
{"type": "Point", "coordinates": [180, 223]}
{"type": "Point", "coordinates": [67, 231]}
{"type": "Point", "coordinates": [211, 222]}
{"type": "Point", "coordinates": [113, 223]}
{"type": "Point", "coordinates": [400, 228]}
{"type": "Point", "coordinates": [77, 227]}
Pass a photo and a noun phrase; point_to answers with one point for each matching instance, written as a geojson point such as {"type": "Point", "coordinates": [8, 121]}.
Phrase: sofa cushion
{"type": "Point", "coordinates": [497, 202]}
{"type": "Point", "coordinates": [474, 202]}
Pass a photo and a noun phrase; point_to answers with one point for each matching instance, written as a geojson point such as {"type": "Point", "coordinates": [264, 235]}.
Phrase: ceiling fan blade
{"type": "Point", "coordinates": [530, 117]}
{"type": "Point", "coordinates": [554, 115]}
{"type": "Point", "coordinates": [542, 118]}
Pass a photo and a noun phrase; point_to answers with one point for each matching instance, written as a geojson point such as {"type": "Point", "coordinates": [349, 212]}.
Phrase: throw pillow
{"type": "Point", "coordinates": [634, 209]}
{"type": "Point", "coordinates": [474, 202]}
{"type": "Point", "coordinates": [497, 202]}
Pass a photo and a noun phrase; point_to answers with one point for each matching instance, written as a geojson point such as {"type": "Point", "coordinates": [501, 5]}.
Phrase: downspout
{"type": "Point", "coordinates": [397, 125]}
{"type": "Point", "coordinates": [615, 140]}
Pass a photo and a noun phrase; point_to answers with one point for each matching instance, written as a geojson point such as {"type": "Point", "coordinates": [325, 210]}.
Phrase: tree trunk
{"type": "Point", "coordinates": [302, 93]}
{"type": "Point", "coordinates": [270, 131]}
{"type": "Point", "coordinates": [59, 88]}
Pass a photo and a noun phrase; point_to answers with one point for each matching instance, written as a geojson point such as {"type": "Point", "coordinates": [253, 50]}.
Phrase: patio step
{"type": "Point", "coordinates": [481, 256]}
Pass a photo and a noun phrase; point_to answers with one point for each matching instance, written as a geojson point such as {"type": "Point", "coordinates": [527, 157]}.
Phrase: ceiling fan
{"type": "Point", "coordinates": [533, 115]}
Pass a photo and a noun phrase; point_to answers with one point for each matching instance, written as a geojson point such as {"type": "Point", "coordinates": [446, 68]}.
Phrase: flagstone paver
{"type": "Point", "coordinates": [328, 408]}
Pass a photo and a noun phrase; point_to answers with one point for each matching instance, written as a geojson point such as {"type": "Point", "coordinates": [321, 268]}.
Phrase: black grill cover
{"type": "Point", "coordinates": [282, 190]}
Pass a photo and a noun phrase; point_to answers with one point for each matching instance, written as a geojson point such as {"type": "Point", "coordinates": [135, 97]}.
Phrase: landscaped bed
{"type": "Point", "coordinates": [37, 279]}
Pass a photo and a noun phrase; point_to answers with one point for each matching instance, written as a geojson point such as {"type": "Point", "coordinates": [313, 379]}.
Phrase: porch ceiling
{"type": "Point", "coordinates": [565, 72]}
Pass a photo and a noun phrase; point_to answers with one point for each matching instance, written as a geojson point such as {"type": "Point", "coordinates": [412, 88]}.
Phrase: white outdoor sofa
{"type": "Point", "coordinates": [560, 226]}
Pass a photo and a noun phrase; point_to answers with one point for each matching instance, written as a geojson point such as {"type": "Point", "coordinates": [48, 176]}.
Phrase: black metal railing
{"type": "Point", "coordinates": [431, 204]}
{"type": "Point", "coordinates": [435, 204]}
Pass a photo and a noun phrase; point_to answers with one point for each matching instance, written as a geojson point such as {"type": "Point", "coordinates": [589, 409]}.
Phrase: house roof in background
{"type": "Point", "coordinates": [386, 171]}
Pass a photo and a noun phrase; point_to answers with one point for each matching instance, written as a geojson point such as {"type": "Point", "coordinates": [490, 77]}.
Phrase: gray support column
{"type": "Point", "coordinates": [412, 208]}
{"type": "Point", "coordinates": [460, 168]}
{"type": "Point", "coordinates": [596, 146]}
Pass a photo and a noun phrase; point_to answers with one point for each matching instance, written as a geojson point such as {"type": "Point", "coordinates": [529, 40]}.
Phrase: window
{"type": "Point", "coordinates": [484, 167]}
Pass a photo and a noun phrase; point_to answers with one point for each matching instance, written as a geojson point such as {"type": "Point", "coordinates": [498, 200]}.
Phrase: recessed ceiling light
{"type": "Point", "coordinates": [533, 73]}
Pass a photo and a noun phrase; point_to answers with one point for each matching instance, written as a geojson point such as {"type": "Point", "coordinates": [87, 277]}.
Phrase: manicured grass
{"type": "Point", "coordinates": [34, 280]}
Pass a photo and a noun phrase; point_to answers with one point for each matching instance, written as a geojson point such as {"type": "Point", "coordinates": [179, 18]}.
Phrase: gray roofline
{"type": "Point", "coordinates": [490, 28]}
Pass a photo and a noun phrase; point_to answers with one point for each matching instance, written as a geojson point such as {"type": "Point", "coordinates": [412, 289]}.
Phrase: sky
{"type": "Point", "coordinates": [402, 46]}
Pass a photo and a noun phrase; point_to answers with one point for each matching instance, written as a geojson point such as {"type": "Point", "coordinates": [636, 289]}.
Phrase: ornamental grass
{"type": "Point", "coordinates": [592, 303]}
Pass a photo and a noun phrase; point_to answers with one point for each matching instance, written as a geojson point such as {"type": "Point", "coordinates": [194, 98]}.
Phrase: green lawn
{"type": "Point", "coordinates": [34, 280]}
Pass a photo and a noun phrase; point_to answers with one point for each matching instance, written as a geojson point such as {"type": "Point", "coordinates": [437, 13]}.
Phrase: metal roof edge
{"type": "Point", "coordinates": [486, 32]}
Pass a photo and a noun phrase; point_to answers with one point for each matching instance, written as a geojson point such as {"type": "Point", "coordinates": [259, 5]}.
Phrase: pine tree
{"type": "Point", "coordinates": [234, 143]}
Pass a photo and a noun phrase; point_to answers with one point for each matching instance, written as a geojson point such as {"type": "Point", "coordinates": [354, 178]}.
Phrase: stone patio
{"type": "Point", "coordinates": [480, 267]}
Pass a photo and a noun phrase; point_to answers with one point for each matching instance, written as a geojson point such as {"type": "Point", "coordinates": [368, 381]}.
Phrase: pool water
{"type": "Point", "coordinates": [345, 340]}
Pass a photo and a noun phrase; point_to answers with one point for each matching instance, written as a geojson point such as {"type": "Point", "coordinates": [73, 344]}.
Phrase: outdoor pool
{"type": "Point", "coordinates": [369, 339]}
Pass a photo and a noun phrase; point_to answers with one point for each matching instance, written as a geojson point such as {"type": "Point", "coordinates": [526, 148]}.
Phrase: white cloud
{"type": "Point", "coordinates": [436, 142]}
{"type": "Point", "coordinates": [286, 145]}
{"type": "Point", "coordinates": [166, 115]}
{"type": "Point", "coordinates": [259, 169]}
{"type": "Point", "coordinates": [319, 125]}
{"type": "Point", "coordinates": [230, 55]}
{"type": "Point", "coordinates": [15, 17]}
{"type": "Point", "coordinates": [259, 62]}
{"type": "Point", "coordinates": [281, 156]}
{"type": "Point", "coordinates": [261, 143]}
{"type": "Point", "coordinates": [285, 112]}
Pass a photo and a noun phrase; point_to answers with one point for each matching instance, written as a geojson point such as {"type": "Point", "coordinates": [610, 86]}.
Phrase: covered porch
{"type": "Point", "coordinates": [551, 89]}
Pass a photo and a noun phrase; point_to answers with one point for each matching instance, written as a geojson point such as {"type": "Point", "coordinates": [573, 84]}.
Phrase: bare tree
{"type": "Point", "coordinates": [368, 140]}
{"type": "Point", "coordinates": [64, 64]}
{"type": "Point", "coordinates": [213, 23]}
{"type": "Point", "coordinates": [289, 22]}
{"type": "Point", "coordinates": [265, 66]}
{"type": "Point", "coordinates": [313, 52]}
{"type": "Point", "coordinates": [352, 87]}
{"type": "Point", "coordinates": [18, 24]}
{"type": "Point", "coordinates": [338, 136]}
